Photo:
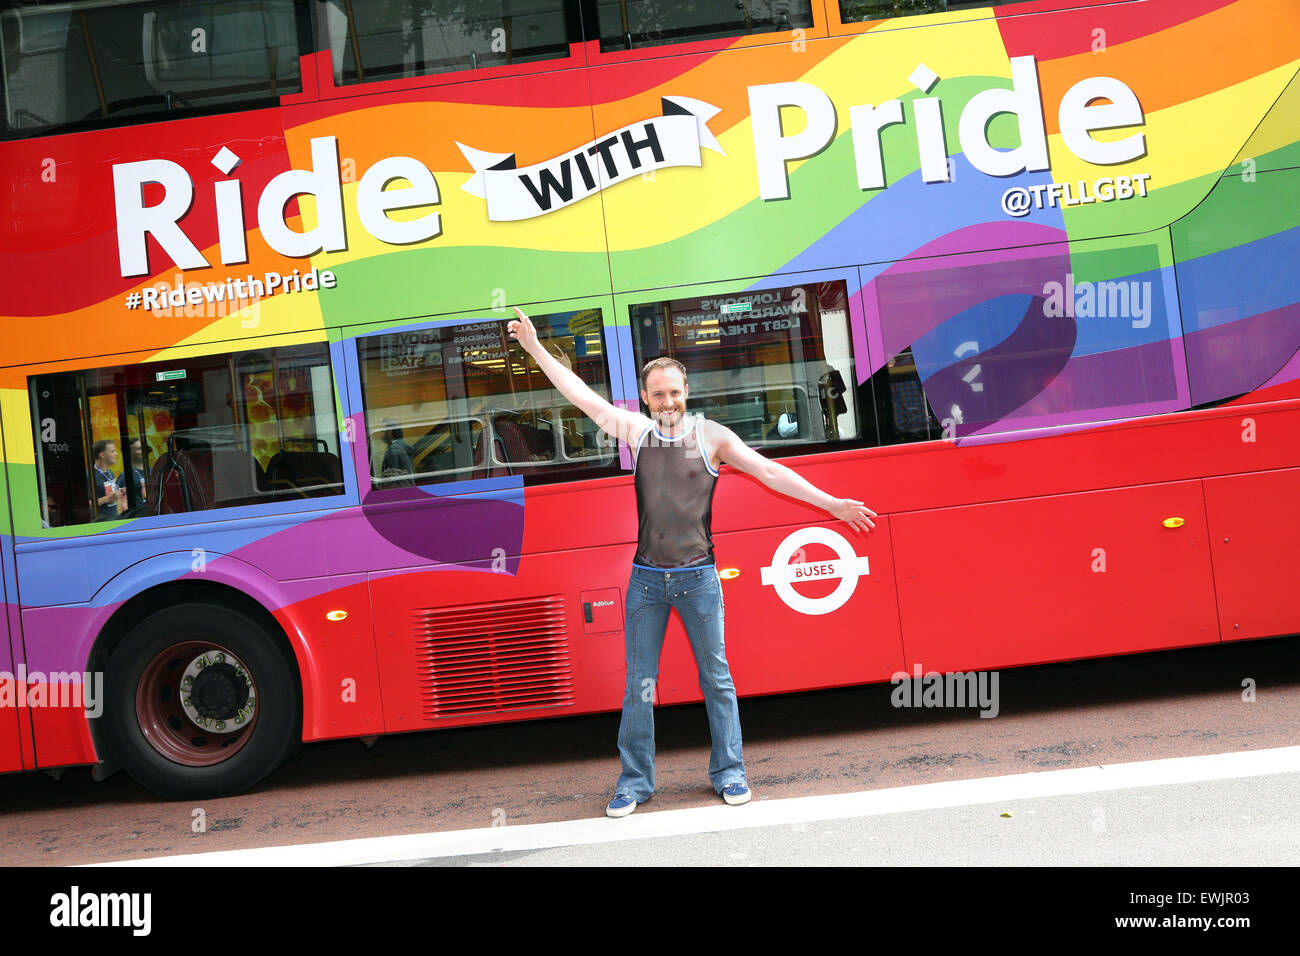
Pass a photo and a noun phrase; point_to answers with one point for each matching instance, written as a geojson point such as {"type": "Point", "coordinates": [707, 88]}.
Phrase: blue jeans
{"type": "Point", "coordinates": [697, 595]}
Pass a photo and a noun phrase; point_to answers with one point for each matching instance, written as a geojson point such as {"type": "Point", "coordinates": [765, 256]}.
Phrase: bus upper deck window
{"type": "Point", "coordinates": [384, 41]}
{"type": "Point", "coordinates": [632, 24]}
{"type": "Point", "coordinates": [857, 11]}
{"type": "Point", "coordinates": [95, 64]}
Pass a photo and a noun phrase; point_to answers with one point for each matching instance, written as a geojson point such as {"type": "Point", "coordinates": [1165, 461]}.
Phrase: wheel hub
{"type": "Point", "coordinates": [216, 692]}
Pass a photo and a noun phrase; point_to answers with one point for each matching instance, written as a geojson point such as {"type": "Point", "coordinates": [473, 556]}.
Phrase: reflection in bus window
{"type": "Point", "coordinates": [90, 63]}
{"type": "Point", "coordinates": [461, 402]}
{"type": "Point", "coordinates": [902, 411]}
{"type": "Point", "coordinates": [852, 11]}
{"type": "Point", "coordinates": [775, 366]}
{"type": "Point", "coordinates": [211, 432]}
{"type": "Point", "coordinates": [372, 40]}
{"type": "Point", "coordinates": [632, 24]}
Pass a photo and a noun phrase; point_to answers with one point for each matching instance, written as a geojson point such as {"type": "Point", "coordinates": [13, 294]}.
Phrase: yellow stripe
{"type": "Point", "coordinates": [1280, 129]}
{"type": "Point", "coordinates": [1188, 140]}
{"type": "Point", "coordinates": [576, 228]}
{"type": "Point", "coordinates": [230, 328]}
{"type": "Point", "coordinates": [15, 406]}
{"type": "Point", "coordinates": [273, 315]}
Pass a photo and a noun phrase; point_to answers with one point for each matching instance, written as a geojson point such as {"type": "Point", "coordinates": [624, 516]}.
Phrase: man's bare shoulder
{"type": "Point", "coordinates": [717, 434]}
{"type": "Point", "coordinates": [724, 445]}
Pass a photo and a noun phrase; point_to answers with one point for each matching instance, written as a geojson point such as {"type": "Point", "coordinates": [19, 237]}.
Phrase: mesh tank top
{"type": "Point", "coordinates": [674, 499]}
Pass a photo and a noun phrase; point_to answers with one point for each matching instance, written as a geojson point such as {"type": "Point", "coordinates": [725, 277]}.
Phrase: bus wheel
{"type": "Point", "coordinates": [201, 702]}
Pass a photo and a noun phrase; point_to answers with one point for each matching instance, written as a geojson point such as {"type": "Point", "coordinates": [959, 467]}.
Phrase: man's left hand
{"type": "Point", "coordinates": [854, 512]}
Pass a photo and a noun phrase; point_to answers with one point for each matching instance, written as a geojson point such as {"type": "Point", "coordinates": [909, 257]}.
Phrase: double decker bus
{"type": "Point", "coordinates": [1024, 277]}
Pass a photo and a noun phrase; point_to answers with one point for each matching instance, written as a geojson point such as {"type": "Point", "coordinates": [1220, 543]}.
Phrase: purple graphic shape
{"type": "Point", "coordinates": [466, 530]}
{"type": "Point", "coordinates": [1126, 383]}
{"type": "Point", "coordinates": [1287, 373]}
{"type": "Point", "coordinates": [915, 296]}
{"type": "Point", "coordinates": [991, 384]}
{"type": "Point", "coordinates": [59, 638]}
{"type": "Point", "coordinates": [1237, 357]}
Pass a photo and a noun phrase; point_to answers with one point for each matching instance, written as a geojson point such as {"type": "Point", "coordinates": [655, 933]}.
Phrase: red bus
{"type": "Point", "coordinates": [1024, 277]}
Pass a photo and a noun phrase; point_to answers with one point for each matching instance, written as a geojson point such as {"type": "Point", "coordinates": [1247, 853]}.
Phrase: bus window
{"type": "Point", "coordinates": [903, 413]}
{"type": "Point", "coordinates": [775, 366]}
{"type": "Point", "coordinates": [852, 11]}
{"type": "Point", "coordinates": [381, 41]}
{"type": "Point", "coordinates": [460, 402]}
{"type": "Point", "coordinates": [210, 432]}
{"type": "Point", "coordinates": [632, 24]}
{"type": "Point", "coordinates": [96, 63]}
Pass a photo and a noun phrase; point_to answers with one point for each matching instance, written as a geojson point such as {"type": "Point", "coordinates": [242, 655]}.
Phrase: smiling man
{"type": "Point", "coordinates": [676, 457]}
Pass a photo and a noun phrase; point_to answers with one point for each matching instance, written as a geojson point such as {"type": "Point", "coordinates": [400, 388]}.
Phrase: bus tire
{"type": "Point", "coordinates": [200, 702]}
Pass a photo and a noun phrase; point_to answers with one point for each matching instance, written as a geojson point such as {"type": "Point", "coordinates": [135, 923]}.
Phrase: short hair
{"type": "Point", "coordinates": [99, 446]}
{"type": "Point", "coordinates": [662, 362]}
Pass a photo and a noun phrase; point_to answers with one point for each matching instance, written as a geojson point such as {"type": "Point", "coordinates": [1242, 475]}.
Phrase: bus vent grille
{"type": "Point", "coordinates": [487, 658]}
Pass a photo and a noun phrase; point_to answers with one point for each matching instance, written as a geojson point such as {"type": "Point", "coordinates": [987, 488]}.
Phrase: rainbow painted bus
{"type": "Point", "coordinates": [1024, 277]}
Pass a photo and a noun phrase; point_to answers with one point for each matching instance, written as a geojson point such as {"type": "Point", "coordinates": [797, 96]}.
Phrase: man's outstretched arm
{"type": "Point", "coordinates": [734, 452]}
{"type": "Point", "coordinates": [620, 423]}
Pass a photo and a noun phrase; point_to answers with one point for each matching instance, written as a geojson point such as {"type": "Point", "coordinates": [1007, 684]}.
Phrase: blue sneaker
{"type": "Point", "coordinates": [736, 794]}
{"type": "Point", "coordinates": [622, 805]}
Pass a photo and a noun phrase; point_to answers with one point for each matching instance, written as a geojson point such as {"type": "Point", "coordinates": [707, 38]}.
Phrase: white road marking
{"type": "Point", "coordinates": [758, 813]}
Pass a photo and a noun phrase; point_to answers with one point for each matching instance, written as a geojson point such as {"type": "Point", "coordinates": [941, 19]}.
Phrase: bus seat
{"type": "Point", "coordinates": [522, 442]}
{"type": "Point", "coordinates": [175, 486]}
{"type": "Point", "coordinates": [289, 473]}
{"type": "Point", "coordinates": [484, 467]}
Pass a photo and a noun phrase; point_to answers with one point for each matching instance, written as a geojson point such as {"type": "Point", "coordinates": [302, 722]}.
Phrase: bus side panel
{"type": "Point", "coordinates": [462, 647]}
{"type": "Point", "coordinates": [59, 726]}
{"type": "Point", "coordinates": [1055, 578]}
{"type": "Point", "coordinates": [1254, 527]}
{"type": "Point", "coordinates": [62, 735]}
{"type": "Point", "coordinates": [796, 635]}
{"type": "Point", "coordinates": [11, 749]}
{"type": "Point", "coordinates": [341, 688]}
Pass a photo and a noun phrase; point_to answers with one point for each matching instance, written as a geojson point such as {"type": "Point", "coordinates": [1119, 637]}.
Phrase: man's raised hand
{"type": "Point", "coordinates": [522, 331]}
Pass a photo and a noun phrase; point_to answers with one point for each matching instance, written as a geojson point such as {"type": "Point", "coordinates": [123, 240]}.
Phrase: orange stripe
{"type": "Point", "coordinates": [103, 327]}
{"type": "Point", "coordinates": [1186, 61]}
{"type": "Point", "coordinates": [429, 131]}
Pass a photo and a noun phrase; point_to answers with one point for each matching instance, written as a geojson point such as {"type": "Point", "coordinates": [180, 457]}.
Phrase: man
{"type": "Point", "coordinates": [108, 496]}
{"type": "Point", "coordinates": [399, 457]}
{"type": "Point", "coordinates": [676, 462]}
{"type": "Point", "coordinates": [136, 473]}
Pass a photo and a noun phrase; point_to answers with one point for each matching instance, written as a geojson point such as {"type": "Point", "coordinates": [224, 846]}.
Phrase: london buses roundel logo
{"type": "Point", "coordinates": [847, 567]}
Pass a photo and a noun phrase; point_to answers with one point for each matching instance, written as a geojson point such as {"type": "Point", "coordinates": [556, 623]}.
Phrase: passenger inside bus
{"type": "Point", "coordinates": [398, 467]}
{"type": "Point", "coordinates": [108, 498]}
{"type": "Point", "coordinates": [221, 431]}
